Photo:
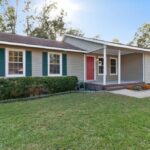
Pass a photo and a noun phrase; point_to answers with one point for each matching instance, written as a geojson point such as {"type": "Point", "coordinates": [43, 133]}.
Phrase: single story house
{"type": "Point", "coordinates": [22, 56]}
{"type": "Point", "coordinates": [91, 60]}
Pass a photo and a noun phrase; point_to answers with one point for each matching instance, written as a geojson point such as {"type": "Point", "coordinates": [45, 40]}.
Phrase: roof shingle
{"type": "Point", "coordinates": [13, 38]}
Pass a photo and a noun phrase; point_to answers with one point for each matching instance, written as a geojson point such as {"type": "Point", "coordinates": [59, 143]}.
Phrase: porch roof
{"type": "Point", "coordinates": [109, 44]}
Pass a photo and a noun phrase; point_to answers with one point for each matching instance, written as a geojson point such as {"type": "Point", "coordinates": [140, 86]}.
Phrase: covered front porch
{"type": "Point", "coordinates": [111, 65]}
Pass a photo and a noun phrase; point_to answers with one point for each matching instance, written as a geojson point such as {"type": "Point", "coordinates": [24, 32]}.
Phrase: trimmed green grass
{"type": "Point", "coordinates": [90, 121]}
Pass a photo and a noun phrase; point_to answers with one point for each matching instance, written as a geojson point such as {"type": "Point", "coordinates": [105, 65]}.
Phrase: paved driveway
{"type": "Point", "coordinates": [137, 94]}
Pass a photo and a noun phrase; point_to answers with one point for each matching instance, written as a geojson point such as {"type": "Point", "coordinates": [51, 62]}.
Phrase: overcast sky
{"type": "Point", "coordinates": [108, 18]}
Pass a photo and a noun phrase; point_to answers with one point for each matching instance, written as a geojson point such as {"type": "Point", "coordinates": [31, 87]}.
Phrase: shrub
{"type": "Point", "coordinates": [137, 88]}
{"type": "Point", "coordinates": [32, 86]}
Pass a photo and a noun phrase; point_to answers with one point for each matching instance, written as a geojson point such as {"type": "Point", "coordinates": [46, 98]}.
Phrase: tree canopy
{"type": "Point", "coordinates": [142, 37]}
{"type": "Point", "coordinates": [75, 32]}
{"type": "Point", "coordinates": [115, 40]}
{"type": "Point", "coordinates": [44, 23]}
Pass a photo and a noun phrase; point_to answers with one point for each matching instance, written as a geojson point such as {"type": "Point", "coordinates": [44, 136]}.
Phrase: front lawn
{"type": "Point", "coordinates": [76, 122]}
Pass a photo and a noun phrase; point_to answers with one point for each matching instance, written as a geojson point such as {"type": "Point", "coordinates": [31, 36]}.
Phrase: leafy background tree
{"type": "Point", "coordinates": [142, 37]}
{"type": "Point", "coordinates": [45, 23]}
{"type": "Point", "coordinates": [115, 40]}
{"type": "Point", "coordinates": [42, 24]}
{"type": "Point", "coordinates": [3, 4]}
{"type": "Point", "coordinates": [75, 32]}
{"type": "Point", "coordinates": [29, 18]}
{"type": "Point", "coordinates": [49, 27]}
{"type": "Point", "coordinates": [8, 17]}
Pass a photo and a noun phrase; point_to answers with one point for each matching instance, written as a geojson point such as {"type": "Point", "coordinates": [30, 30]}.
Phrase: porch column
{"type": "Point", "coordinates": [143, 67]}
{"type": "Point", "coordinates": [105, 64]}
{"type": "Point", "coordinates": [84, 67]}
{"type": "Point", "coordinates": [119, 67]}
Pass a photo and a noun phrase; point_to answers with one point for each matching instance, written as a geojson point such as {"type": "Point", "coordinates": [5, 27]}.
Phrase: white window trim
{"type": "Point", "coordinates": [100, 74]}
{"type": "Point", "coordinates": [60, 54]}
{"type": "Point", "coordinates": [116, 59]}
{"type": "Point", "coordinates": [7, 63]}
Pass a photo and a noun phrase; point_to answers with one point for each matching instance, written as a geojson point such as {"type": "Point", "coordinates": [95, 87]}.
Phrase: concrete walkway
{"type": "Point", "coordinates": [131, 93]}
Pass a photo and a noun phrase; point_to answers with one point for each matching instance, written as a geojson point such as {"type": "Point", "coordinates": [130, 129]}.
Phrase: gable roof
{"type": "Point", "coordinates": [19, 40]}
{"type": "Point", "coordinates": [107, 43]}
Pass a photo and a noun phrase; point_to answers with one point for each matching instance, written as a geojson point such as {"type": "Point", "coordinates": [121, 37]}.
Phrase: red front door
{"type": "Point", "coordinates": [89, 68]}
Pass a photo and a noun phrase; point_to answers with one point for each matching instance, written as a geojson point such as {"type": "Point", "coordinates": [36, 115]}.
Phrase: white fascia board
{"type": "Point", "coordinates": [108, 43]}
{"type": "Point", "coordinates": [128, 47]}
{"type": "Point", "coordinates": [44, 47]}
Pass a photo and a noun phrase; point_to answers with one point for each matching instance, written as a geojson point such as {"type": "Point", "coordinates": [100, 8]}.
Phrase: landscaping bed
{"type": "Point", "coordinates": [139, 87]}
{"type": "Point", "coordinates": [15, 88]}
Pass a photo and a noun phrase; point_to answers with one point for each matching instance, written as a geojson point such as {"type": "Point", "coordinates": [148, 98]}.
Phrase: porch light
{"type": "Point", "coordinates": [97, 59]}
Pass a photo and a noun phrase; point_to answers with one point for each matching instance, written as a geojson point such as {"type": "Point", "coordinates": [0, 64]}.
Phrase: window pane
{"type": "Point", "coordinates": [58, 69]}
{"type": "Point", "coordinates": [54, 64]}
{"type": "Point", "coordinates": [20, 54]}
{"type": "Point", "coordinates": [11, 71]}
{"type": "Point", "coordinates": [16, 54]}
{"type": "Point", "coordinates": [52, 58]}
{"type": "Point", "coordinates": [20, 68]}
{"type": "Point", "coordinates": [11, 59]}
{"type": "Point", "coordinates": [15, 62]}
{"type": "Point", "coordinates": [113, 70]}
{"type": "Point", "coordinates": [11, 54]}
{"type": "Point", "coordinates": [58, 60]}
{"type": "Point", "coordinates": [15, 59]}
{"type": "Point", "coordinates": [113, 66]}
{"type": "Point", "coordinates": [113, 62]}
{"type": "Point", "coordinates": [100, 70]}
{"type": "Point", "coordinates": [20, 59]}
{"type": "Point", "coordinates": [11, 67]}
{"type": "Point", "coordinates": [54, 69]}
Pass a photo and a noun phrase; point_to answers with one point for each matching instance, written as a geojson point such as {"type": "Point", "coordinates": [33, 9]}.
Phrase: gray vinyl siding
{"type": "Point", "coordinates": [147, 67]}
{"type": "Point", "coordinates": [86, 45]}
{"type": "Point", "coordinates": [75, 65]}
{"type": "Point", "coordinates": [132, 67]}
